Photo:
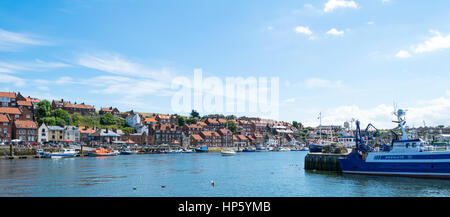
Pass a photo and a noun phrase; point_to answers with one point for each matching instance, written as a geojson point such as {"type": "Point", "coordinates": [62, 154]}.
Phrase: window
{"type": "Point", "coordinates": [5, 124]}
{"type": "Point", "coordinates": [28, 116]}
{"type": "Point", "coordinates": [407, 145]}
{"type": "Point", "coordinates": [16, 116]}
{"type": "Point", "coordinates": [414, 145]}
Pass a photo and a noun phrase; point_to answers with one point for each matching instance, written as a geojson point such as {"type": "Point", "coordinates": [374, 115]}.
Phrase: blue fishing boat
{"type": "Point", "coordinates": [410, 157]}
{"type": "Point", "coordinates": [201, 149]}
{"type": "Point", "coordinates": [249, 149]}
{"type": "Point", "coordinates": [128, 152]}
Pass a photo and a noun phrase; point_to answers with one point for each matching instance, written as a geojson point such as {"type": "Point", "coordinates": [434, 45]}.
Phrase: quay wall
{"type": "Point", "coordinates": [323, 161]}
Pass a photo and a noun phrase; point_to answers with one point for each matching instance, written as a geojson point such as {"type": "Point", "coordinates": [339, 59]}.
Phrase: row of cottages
{"type": "Point", "coordinates": [82, 108]}
{"type": "Point", "coordinates": [165, 134]}
{"type": "Point", "coordinates": [57, 134]}
{"type": "Point", "coordinates": [17, 118]}
{"type": "Point", "coordinates": [111, 110]}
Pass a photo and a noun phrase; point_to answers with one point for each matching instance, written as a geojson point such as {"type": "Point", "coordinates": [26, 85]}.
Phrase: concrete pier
{"type": "Point", "coordinates": [323, 161]}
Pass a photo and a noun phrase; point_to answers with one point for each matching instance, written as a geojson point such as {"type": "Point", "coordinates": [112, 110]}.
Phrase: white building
{"type": "Point", "coordinates": [43, 133]}
{"type": "Point", "coordinates": [133, 119]}
{"type": "Point", "coordinates": [72, 133]}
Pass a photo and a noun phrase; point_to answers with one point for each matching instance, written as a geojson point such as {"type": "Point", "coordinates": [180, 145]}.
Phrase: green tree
{"type": "Point", "coordinates": [49, 121]}
{"type": "Point", "coordinates": [64, 115]}
{"type": "Point", "coordinates": [231, 126]}
{"type": "Point", "coordinates": [295, 124]}
{"type": "Point", "coordinates": [60, 122]}
{"type": "Point", "coordinates": [195, 114]}
{"type": "Point", "coordinates": [107, 119]}
{"type": "Point", "coordinates": [181, 121]}
{"type": "Point", "coordinates": [191, 121]}
{"type": "Point", "coordinates": [76, 119]}
{"type": "Point", "coordinates": [43, 109]}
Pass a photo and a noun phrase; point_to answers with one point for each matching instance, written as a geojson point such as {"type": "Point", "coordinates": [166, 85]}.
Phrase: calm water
{"type": "Point", "coordinates": [246, 174]}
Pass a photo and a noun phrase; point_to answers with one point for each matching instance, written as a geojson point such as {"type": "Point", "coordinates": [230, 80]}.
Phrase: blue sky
{"type": "Point", "coordinates": [346, 59]}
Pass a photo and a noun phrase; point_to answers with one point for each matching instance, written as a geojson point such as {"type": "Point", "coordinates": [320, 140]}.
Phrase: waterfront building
{"type": "Point", "coordinates": [243, 127]}
{"type": "Point", "coordinates": [7, 99]}
{"type": "Point", "coordinates": [5, 129]}
{"type": "Point", "coordinates": [191, 129]}
{"type": "Point", "coordinates": [256, 139]}
{"type": "Point", "coordinates": [25, 131]}
{"type": "Point", "coordinates": [111, 110]}
{"type": "Point", "coordinates": [13, 113]}
{"type": "Point", "coordinates": [86, 134]}
{"type": "Point", "coordinates": [211, 138]}
{"type": "Point", "coordinates": [242, 141]}
{"type": "Point", "coordinates": [260, 126]}
{"type": "Point", "coordinates": [27, 111]}
{"type": "Point", "coordinates": [196, 140]}
{"type": "Point", "coordinates": [226, 137]}
{"type": "Point", "coordinates": [138, 138]}
{"type": "Point", "coordinates": [213, 124]}
{"type": "Point", "coordinates": [43, 134]}
{"type": "Point", "coordinates": [133, 119]}
{"type": "Point", "coordinates": [270, 141]}
{"type": "Point", "coordinates": [107, 136]}
{"type": "Point", "coordinates": [55, 134]}
{"type": "Point", "coordinates": [165, 134]}
{"type": "Point", "coordinates": [71, 133]}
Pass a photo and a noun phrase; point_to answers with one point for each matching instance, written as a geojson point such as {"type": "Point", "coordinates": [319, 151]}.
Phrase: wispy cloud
{"type": "Point", "coordinates": [403, 54]}
{"type": "Point", "coordinates": [36, 65]}
{"type": "Point", "coordinates": [303, 30]}
{"type": "Point", "coordinates": [331, 5]}
{"type": "Point", "coordinates": [436, 43]}
{"type": "Point", "coordinates": [11, 41]}
{"type": "Point", "coordinates": [335, 32]}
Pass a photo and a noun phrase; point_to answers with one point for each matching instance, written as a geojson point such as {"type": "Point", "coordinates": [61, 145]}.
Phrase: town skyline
{"type": "Point", "coordinates": [83, 52]}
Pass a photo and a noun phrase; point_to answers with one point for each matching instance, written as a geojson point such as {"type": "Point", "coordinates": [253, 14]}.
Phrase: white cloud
{"type": "Point", "coordinates": [10, 41]}
{"type": "Point", "coordinates": [269, 28]}
{"type": "Point", "coordinates": [322, 83]}
{"type": "Point", "coordinates": [5, 78]}
{"type": "Point", "coordinates": [403, 54]}
{"type": "Point", "coordinates": [336, 32]}
{"type": "Point", "coordinates": [303, 30]}
{"type": "Point", "coordinates": [437, 42]}
{"type": "Point", "coordinates": [434, 112]}
{"type": "Point", "coordinates": [334, 4]}
{"type": "Point", "coordinates": [370, 23]}
{"type": "Point", "coordinates": [36, 65]}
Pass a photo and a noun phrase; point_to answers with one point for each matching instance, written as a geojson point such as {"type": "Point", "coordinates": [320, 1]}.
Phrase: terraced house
{"type": "Point", "coordinates": [7, 99]}
{"type": "Point", "coordinates": [5, 129]}
{"type": "Point", "coordinates": [82, 108]}
{"type": "Point", "coordinates": [165, 134]}
{"type": "Point", "coordinates": [25, 131]}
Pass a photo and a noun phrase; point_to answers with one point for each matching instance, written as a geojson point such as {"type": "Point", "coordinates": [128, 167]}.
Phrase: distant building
{"type": "Point", "coordinates": [72, 133]}
{"type": "Point", "coordinates": [55, 134]}
{"type": "Point", "coordinates": [25, 131]}
{"type": "Point", "coordinates": [82, 108]}
{"type": "Point", "coordinates": [7, 99]}
{"type": "Point", "coordinates": [5, 129]}
{"type": "Point", "coordinates": [43, 134]}
{"type": "Point", "coordinates": [111, 110]}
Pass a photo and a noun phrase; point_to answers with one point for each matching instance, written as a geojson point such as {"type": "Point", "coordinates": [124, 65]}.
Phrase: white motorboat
{"type": "Point", "coordinates": [228, 153]}
{"type": "Point", "coordinates": [65, 153]}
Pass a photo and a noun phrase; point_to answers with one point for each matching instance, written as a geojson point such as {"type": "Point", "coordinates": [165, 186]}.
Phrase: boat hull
{"type": "Point", "coordinates": [354, 164]}
{"type": "Point", "coordinates": [101, 155]}
{"type": "Point", "coordinates": [315, 148]}
{"type": "Point", "coordinates": [128, 152]}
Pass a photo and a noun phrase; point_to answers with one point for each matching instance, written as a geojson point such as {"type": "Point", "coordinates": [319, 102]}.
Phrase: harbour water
{"type": "Point", "coordinates": [264, 174]}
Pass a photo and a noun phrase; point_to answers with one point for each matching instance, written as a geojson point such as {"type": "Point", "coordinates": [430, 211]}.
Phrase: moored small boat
{"type": "Point", "coordinates": [100, 152]}
{"type": "Point", "coordinates": [173, 151]}
{"type": "Point", "coordinates": [228, 153]}
{"type": "Point", "coordinates": [188, 151]}
{"type": "Point", "coordinates": [249, 149]}
{"type": "Point", "coordinates": [65, 153]}
{"type": "Point", "coordinates": [128, 152]}
{"type": "Point", "coordinates": [201, 149]}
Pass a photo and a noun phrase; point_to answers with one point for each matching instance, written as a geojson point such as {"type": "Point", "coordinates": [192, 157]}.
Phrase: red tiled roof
{"type": "Point", "coordinates": [150, 120]}
{"type": "Point", "coordinates": [196, 137]}
{"type": "Point", "coordinates": [106, 109]}
{"type": "Point", "coordinates": [201, 123]}
{"type": "Point", "coordinates": [25, 124]}
{"type": "Point", "coordinates": [86, 131]}
{"type": "Point", "coordinates": [212, 121]}
{"type": "Point", "coordinates": [164, 116]}
{"type": "Point", "coordinates": [9, 110]}
{"type": "Point", "coordinates": [4, 118]}
{"type": "Point", "coordinates": [24, 103]}
{"type": "Point", "coordinates": [222, 121]}
{"type": "Point", "coordinates": [32, 99]}
{"type": "Point", "coordinates": [7, 94]}
{"type": "Point", "coordinates": [242, 137]}
{"type": "Point", "coordinates": [81, 106]}
{"type": "Point", "coordinates": [193, 126]}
